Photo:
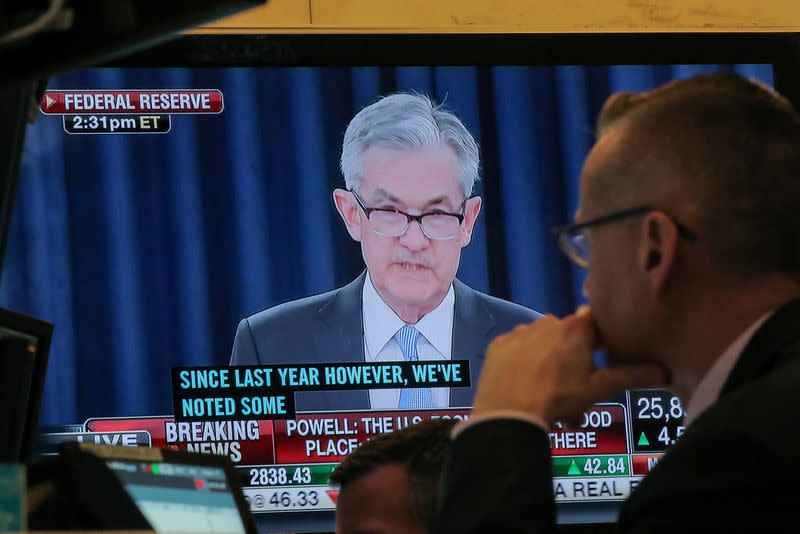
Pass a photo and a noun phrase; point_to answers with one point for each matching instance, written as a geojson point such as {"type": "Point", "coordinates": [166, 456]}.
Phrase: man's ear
{"type": "Point", "coordinates": [350, 212]}
{"type": "Point", "coordinates": [471, 210]}
{"type": "Point", "coordinates": [658, 252]}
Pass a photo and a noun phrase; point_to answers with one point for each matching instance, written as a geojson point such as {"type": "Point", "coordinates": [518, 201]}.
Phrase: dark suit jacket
{"type": "Point", "coordinates": [736, 466]}
{"type": "Point", "coordinates": [328, 328]}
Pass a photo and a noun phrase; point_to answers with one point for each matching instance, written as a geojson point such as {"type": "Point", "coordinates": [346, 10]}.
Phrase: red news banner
{"type": "Point", "coordinates": [248, 442]}
{"type": "Point", "coordinates": [601, 430]}
{"type": "Point", "coordinates": [132, 102]}
{"type": "Point", "coordinates": [328, 437]}
{"type": "Point", "coordinates": [310, 438]}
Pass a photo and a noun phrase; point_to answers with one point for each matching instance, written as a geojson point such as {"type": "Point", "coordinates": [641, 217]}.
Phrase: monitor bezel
{"type": "Point", "coordinates": [43, 332]}
{"type": "Point", "coordinates": [782, 50]}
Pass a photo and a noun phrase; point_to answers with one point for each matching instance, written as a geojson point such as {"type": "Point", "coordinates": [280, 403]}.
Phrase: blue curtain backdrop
{"type": "Point", "coordinates": [145, 250]}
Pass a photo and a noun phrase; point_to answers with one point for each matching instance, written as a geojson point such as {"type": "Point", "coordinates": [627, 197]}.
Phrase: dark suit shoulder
{"type": "Point", "coordinates": [274, 334]}
{"type": "Point", "coordinates": [720, 473]}
{"type": "Point", "coordinates": [290, 312]}
{"type": "Point", "coordinates": [475, 500]}
{"type": "Point", "coordinates": [507, 310]}
{"type": "Point", "coordinates": [760, 408]}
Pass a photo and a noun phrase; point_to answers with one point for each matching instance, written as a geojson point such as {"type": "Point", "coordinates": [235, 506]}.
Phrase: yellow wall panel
{"type": "Point", "coordinates": [275, 14]}
{"type": "Point", "coordinates": [528, 16]}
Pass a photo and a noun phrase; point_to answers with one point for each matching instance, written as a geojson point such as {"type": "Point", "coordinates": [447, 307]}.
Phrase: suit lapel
{"type": "Point", "coordinates": [770, 346]}
{"type": "Point", "coordinates": [774, 344]}
{"type": "Point", "coordinates": [472, 332]}
{"type": "Point", "coordinates": [339, 340]}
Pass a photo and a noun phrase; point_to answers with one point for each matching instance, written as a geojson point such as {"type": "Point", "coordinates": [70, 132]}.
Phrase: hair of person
{"type": "Point", "coordinates": [420, 449]}
{"type": "Point", "coordinates": [731, 147]}
{"type": "Point", "coordinates": [406, 121]}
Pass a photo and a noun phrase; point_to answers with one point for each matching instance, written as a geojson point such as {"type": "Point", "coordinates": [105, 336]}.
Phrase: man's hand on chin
{"type": "Point", "coordinates": [544, 371]}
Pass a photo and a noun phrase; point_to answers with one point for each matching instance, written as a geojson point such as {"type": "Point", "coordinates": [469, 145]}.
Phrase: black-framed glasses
{"type": "Point", "coordinates": [574, 242]}
{"type": "Point", "coordinates": [390, 222]}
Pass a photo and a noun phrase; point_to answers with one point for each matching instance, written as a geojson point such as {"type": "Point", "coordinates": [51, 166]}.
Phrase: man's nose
{"type": "Point", "coordinates": [414, 238]}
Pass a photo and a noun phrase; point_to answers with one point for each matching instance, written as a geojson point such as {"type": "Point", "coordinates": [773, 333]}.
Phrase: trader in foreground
{"type": "Point", "coordinates": [688, 224]}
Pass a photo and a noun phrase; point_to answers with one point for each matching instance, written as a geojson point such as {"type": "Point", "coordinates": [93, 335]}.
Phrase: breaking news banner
{"type": "Point", "coordinates": [267, 392]}
{"type": "Point", "coordinates": [312, 437]}
{"type": "Point", "coordinates": [286, 464]}
{"type": "Point", "coordinates": [250, 441]}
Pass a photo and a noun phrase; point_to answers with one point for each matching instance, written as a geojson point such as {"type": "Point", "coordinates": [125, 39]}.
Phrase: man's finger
{"type": "Point", "coordinates": [583, 309]}
{"type": "Point", "coordinates": [586, 328]}
{"type": "Point", "coordinates": [605, 383]}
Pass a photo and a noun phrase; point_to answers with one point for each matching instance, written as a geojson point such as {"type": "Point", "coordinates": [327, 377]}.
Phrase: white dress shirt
{"type": "Point", "coordinates": [381, 323]}
{"type": "Point", "coordinates": [708, 389]}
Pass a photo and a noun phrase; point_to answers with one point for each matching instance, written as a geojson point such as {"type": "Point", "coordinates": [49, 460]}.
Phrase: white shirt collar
{"type": "Point", "coordinates": [710, 386]}
{"type": "Point", "coordinates": [381, 323]}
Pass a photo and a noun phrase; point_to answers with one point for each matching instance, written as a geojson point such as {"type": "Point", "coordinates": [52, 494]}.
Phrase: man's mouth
{"type": "Point", "coordinates": [411, 267]}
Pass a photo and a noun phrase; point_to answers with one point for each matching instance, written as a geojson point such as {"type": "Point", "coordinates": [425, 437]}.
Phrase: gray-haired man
{"type": "Point", "coordinates": [409, 168]}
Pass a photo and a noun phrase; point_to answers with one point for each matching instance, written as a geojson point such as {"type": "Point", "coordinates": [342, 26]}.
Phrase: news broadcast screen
{"type": "Point", "coordinates": [278, 264]}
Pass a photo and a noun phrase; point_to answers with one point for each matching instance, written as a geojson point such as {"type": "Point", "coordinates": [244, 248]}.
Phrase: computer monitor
{"type": "Point", "coordinates": [164, 200]}
{"type": "Point", "coordinates": [94, 486]}
{"type": "Point", "coordinates": [24, 347]}
{"type": "Point", "coordinates": [181, 492]}
{"type": "Point", "coordinates": [178, 498]}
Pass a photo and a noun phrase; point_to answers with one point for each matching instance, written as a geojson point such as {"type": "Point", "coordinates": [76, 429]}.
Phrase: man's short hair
{"type": "Point", "coordinates": [733, 145]}
{"type": "Point", "coordinates": [420, 449]}
{"type": "Point", "coordinates": [404, 121]}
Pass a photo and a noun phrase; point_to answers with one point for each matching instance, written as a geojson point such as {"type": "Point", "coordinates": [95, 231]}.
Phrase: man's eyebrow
{"type": "Point", "coordinates": [437, 200]}
{"type": "Point", "coordinates": [383, 194]}
{"type": "Point", "coordinates": [386, 195]}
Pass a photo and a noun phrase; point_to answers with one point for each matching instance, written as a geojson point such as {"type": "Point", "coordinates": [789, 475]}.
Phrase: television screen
{"type": "Point", "coordinates": [192, 216]}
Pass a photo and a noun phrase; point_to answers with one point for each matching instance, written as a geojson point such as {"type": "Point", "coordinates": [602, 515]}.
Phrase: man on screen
{"type": "Point", "coordinates": [409, 168]}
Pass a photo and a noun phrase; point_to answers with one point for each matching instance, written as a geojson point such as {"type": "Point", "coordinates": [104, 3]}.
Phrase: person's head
{"type": "Point", "coordinates": [389, 484]}
{"type": "Point", "coordinates": [714, 163]}
{"type": "Point", "coordinates": [405, 153]}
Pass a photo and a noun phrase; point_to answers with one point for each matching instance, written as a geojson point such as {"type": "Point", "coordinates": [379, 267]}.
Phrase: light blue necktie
{"type": "Point", "coordinates": [412, 398]}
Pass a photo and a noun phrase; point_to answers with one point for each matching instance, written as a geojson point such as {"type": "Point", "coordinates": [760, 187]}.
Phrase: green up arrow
{"type": "Point", "coordinates": [574, 469]}
{"type": "Point", "coordinates": [643, 441]}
